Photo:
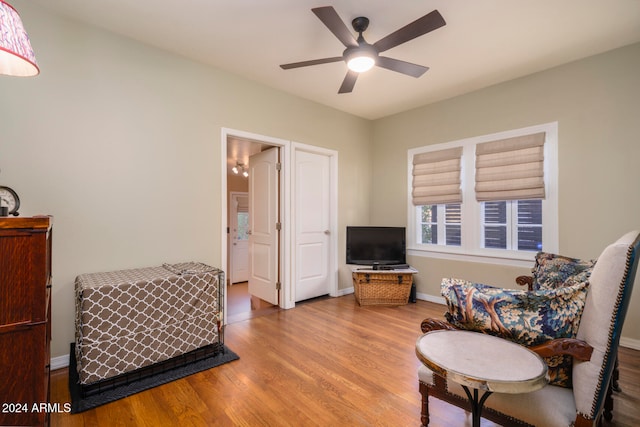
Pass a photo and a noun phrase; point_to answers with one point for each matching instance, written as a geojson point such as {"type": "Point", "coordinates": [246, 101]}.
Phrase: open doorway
{"type": "Point", "coordinates": [304, 226]}
{"type": "Point", "coordinates": [241, 304]}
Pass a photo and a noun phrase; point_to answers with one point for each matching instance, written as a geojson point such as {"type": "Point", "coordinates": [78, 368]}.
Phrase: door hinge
{"type": "Point", "coordinates": [278, 286]}
{"type": "Point", "coordinates": [278, 226]}
{"type": "Point", "coordinates": [278, 166]}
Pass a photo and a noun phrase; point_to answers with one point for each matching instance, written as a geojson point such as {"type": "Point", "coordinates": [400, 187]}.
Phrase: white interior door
{"type": "Point", "coordinates": [239, 233]}
{"type": "Point", "coordinates": [263, 225]}
{"type": "Point", "coordinates": [312, 187]}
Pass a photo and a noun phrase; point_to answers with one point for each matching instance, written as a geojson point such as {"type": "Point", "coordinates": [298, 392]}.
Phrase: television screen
{"type": "Point", "coordinates": [376, 245]}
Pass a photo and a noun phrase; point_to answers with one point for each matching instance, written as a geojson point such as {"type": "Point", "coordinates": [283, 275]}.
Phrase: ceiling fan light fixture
{"type": "Point", "coordinates": [360, 64]}
{"type": "Point", "coordinates": [361, 59]}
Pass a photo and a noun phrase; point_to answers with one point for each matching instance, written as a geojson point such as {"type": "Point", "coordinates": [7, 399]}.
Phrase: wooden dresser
{"type": "Point", "coordinates": [25, 320]}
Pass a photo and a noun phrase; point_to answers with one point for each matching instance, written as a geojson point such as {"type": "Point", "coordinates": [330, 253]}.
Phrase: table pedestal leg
{"type": "Point", "coordinates": [476, 404]}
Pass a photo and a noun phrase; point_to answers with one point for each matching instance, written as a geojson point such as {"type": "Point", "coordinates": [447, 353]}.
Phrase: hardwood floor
{"type": "Point", "coordinates": [240, 306]}
{"type": "Point", "coordinates": [325, 363]}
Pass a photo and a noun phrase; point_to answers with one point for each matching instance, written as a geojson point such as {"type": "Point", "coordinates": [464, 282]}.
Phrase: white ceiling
{"type": "Point", "coordinates": [484, 42]}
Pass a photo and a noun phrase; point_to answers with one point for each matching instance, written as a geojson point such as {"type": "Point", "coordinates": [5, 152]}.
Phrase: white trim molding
{"type": "Point", "coordinates": [59, 362]}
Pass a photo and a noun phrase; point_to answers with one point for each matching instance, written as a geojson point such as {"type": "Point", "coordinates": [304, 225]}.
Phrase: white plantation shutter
{"type": "Point", "coordinates": [436, 177]}
{"type": "Point", "coordinates": [510, 169]}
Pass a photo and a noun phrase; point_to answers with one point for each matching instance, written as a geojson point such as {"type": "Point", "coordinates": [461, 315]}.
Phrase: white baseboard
{"type": "Point", "coordinates": [59, 362]}
{"type": "Point", "coordinates": [343, 292]}
{"type": "Point", "coordinates": [630, 343]}
{"type": "Point", "coordinates": [431, 298]}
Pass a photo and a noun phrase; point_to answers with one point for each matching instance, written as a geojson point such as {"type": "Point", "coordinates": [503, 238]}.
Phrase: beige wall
{"type": "Point", "coordinates": [596, 103]}
{"type": "Point", "coordinates": [120, 142]}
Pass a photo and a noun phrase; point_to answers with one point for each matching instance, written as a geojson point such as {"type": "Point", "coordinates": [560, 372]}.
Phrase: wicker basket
{"type": "Point", "coordinates": [389, 288]}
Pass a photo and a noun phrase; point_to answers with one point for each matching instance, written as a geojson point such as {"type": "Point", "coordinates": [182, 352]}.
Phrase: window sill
{"type": "Point", "coordinates": [514, 259]}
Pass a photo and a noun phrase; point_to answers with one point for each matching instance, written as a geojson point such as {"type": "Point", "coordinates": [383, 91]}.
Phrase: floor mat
{"type": "Point", "coordinates": [80, 403]}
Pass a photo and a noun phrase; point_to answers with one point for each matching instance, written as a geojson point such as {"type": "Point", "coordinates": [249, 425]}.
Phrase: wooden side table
{"type": "Point", "coordinates": [481, 362]}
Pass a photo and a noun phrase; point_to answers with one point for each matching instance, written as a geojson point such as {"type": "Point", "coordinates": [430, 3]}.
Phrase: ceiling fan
{"type": "Point", "coordinates": [361, 56]}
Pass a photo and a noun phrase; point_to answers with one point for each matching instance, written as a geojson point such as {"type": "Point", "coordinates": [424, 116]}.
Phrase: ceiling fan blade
{"type": "Point", "coordinates": [403, 67]}
{"type": "Point", "coordinates": [417, 28]}
{"type": "Point", "coordinates": [330, 18]}
{"type": "Point", "coordinates": [312, 62]}
{"type": "Point", "coordinates": [349, 82]}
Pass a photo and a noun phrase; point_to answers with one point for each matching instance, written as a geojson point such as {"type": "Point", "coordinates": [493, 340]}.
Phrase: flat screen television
{"type": "Point", "coordinates": [376, 246]}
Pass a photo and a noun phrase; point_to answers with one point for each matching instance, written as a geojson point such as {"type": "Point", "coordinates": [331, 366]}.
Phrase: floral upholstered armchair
{"type": "Point", "coordinates": [571, 315]}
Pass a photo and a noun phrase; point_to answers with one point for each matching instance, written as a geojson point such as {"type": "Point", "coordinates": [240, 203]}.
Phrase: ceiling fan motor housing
{"type": "Point", "coordinates": [364, 49]}
{"type": "Point", "coordinates": [360, 24]}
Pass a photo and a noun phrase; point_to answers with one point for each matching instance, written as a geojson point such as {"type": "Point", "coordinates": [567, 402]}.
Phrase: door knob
{"type": "Point", "coordinates": [327, 232]}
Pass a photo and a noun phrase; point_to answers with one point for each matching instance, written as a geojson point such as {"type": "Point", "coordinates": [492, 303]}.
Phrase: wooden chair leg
{"type": "Point", "coordinates": [608, 402]}
{"type": "Point", "coordinates": [424, 414]}
{"type": "Point", "coordinates": [616, 376]}
{"type": "Point", "coordinates": [613, 386]}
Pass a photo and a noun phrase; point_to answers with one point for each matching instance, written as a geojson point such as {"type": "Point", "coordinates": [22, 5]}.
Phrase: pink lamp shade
{"type": "Point", "coordinates": [16, 54]}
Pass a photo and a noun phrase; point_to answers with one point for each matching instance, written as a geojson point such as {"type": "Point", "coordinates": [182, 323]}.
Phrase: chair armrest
{"type": "Point", "coordinates": [525, 281]}
{"type": "Point", "coordinates": [430, 324]}
{"type": "Point", "coordinates": [578, 349]}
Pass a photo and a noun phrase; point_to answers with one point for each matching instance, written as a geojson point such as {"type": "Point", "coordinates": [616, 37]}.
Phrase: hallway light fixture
{"type": "Point", "coordinates": [240, 168]}
{"type": "Point", "coordinates": [16, 55]}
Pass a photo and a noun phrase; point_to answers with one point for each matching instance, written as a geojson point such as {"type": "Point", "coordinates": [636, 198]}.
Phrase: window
{"type": "Point", "coordinates": [243, 226]}
{"type": "Point", "coordinates": [529, 225]}
{"type": "Point", "coordinates": [514, 225]}
{"type": "Point", "coordinates": [441, 223]}
{"type": "Point", "coordinates": [429, 224]}
{"type": "Point", "coordinates": [453, 224]}
{"type": "Point", "coordinates": [508, 208]}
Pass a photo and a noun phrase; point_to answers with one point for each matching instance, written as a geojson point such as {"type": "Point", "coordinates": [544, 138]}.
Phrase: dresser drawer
{"type": "Point", "coordinates": [24, 361]}
{"type": "Point", "coordinates": [23, 276]}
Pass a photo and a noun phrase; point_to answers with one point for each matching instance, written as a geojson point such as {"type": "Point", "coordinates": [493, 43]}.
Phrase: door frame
{"type": "Point", "coordinates": [285, 212]}
{"type": "Point", "coordinates": [287, 252]}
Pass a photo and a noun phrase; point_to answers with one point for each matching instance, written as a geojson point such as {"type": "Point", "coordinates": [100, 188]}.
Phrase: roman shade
{"type": "Point", "coordinates": [510, 169]}
{"type": "Point", "coordinates": [436, 177]}
{"type": "Point", "coordinates": [242, 204]}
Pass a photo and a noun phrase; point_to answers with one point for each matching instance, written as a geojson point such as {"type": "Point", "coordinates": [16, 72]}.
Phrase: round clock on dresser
{"type": "Point", "coordinates": [9, 201]}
